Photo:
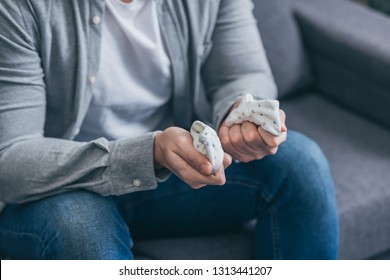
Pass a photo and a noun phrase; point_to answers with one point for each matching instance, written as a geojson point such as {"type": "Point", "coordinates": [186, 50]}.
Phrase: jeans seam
{"type": "Point", "coordinates": [45, 248]}
{"type": "Point", "coordinates": [256, 186]}
{"type": "Point", "coordinates": [275, 235]}
{"type": "Point", "coordinates": [274, 228]}
{"type": "Point", "coordinates": [248, 184]}
{"type": "Point", "coordinates": [5, 231]}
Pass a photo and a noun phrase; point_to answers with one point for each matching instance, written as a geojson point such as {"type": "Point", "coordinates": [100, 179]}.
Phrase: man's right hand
{"type": "Point", "coordinates": [173, 149]}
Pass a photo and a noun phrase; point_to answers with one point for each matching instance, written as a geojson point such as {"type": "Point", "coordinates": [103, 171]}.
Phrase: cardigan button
{"type": "Point", "coordinates": [96, 20]}
{"type": "Point", "coordinates": [137, 183]}
{"type": "Point", "coordinates": [92, 80]}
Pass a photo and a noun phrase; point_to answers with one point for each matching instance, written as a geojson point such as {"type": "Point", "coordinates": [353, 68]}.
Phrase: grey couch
{"type": "Point", "coordinates": [331, 62]}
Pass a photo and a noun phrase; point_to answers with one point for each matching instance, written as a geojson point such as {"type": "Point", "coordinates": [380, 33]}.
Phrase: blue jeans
{"type": "Point", "coordinates": [291, 194]}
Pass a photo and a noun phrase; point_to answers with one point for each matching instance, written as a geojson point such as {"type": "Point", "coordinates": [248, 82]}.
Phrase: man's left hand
{"type": "Point", "coordinates": [247, 142]}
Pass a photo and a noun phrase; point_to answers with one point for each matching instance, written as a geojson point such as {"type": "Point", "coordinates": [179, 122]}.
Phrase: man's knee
{"type": "Point", "coordinates": [305, 177]}
{"type": "Point", "coordinates": [298, 167]}
{"type": "Point", "coordinates": [305, 169]}
{"type": "Point", "coordinates": [300, 154]}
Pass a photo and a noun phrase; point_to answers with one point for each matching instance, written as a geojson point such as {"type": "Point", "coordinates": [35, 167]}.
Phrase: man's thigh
{"type": "Point", "coordinates": [73, 225]}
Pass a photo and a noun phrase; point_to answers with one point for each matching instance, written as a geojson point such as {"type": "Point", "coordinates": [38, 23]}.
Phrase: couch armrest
{"type": "Point", "coordinates": [349, 47]}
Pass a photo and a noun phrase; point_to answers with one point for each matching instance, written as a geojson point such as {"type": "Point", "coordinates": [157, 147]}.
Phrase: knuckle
{"type": "Point", "coordinates": [197, 186]}
{"type": "Point", "coordinates": [225, 140]}
{"type": "Point", "coordinates": [273, 151]}
{"type": "Point", "coordinates": [273, 142]}
{"type": "Point", "coordinates": [181, 139]}
{"type": "Point", "coordinates": [192, 183]}
{"type": "Point", "coordinates": [251, 137]}
{"type": "Point", "coordinates": [220, 180]}
{"type": "Point", "coordinates": [245, 159]}
{"type": "Point", "coordinates": [236, 139]}
{"type": "Point", "coordinates": [260, 156]}
{"type": "Point", "coordinates": [241, 146]}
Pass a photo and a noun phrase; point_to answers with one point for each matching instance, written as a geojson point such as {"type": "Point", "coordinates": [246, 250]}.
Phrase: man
{"type": "Point", "coordinates": [96, 101]}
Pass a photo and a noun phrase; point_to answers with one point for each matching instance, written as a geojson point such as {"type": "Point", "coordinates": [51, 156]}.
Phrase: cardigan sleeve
{"type": "Point", "coordinates": [237, 63]}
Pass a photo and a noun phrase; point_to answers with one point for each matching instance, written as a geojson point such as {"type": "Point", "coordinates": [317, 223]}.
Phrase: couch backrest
{"type": "Point", "coordinates": [282, 42]}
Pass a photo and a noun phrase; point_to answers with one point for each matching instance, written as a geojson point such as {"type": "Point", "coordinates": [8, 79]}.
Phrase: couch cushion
{"type": "Point", "coordinates": [349, 55]}
{"type": "Point", "coordinates": [283, 45]}
{"type": "Point", "coordinates": [359, 153]}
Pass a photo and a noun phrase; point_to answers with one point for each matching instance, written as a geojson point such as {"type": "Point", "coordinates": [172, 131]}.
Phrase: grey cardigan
{"type": "Point", "coordinates": [49, 55]}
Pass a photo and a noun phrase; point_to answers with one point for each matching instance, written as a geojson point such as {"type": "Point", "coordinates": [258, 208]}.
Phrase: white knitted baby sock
{"type": "Point", "coordinates": [206, 141]}
{"type": "Point", "coordinates": [264, 113]}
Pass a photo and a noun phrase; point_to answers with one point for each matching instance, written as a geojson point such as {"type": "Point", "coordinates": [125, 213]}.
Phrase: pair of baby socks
{"type": "Point", "coordinates": [264, 113]}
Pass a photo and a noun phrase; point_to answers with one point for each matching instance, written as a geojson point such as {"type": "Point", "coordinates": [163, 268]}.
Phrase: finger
{"type": "Point", "coordinates": [181, 167]}
{"type": "Point", "coordinates": [271, 140]}
{"type": "Point", "coordinates": [226, 142]}
{"type": "Point", "coordinates": [192, 176]}
{"type": "Point", "coordinates": [198, 186]}
{"type": "Point", "coordinates": [236, 154]}
{"type": "Point", "coordinates": [253, 139]}
{"type": "Point", "coordinates": [219, 177]}
{"type": "Point", "coordinates": [227, 160]}
{"type": "Point", "coordinates": [238, 142]}
{"type": "Point", "coordinates": [191, 156]}
{"type": "Point", "coordinates": [252, 136]}
{"type": "Point", "coordinates": [283, 121]}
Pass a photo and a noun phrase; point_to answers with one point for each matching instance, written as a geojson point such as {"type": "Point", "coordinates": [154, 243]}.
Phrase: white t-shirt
{"type": "Point", "coordinates": [133, 89]}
